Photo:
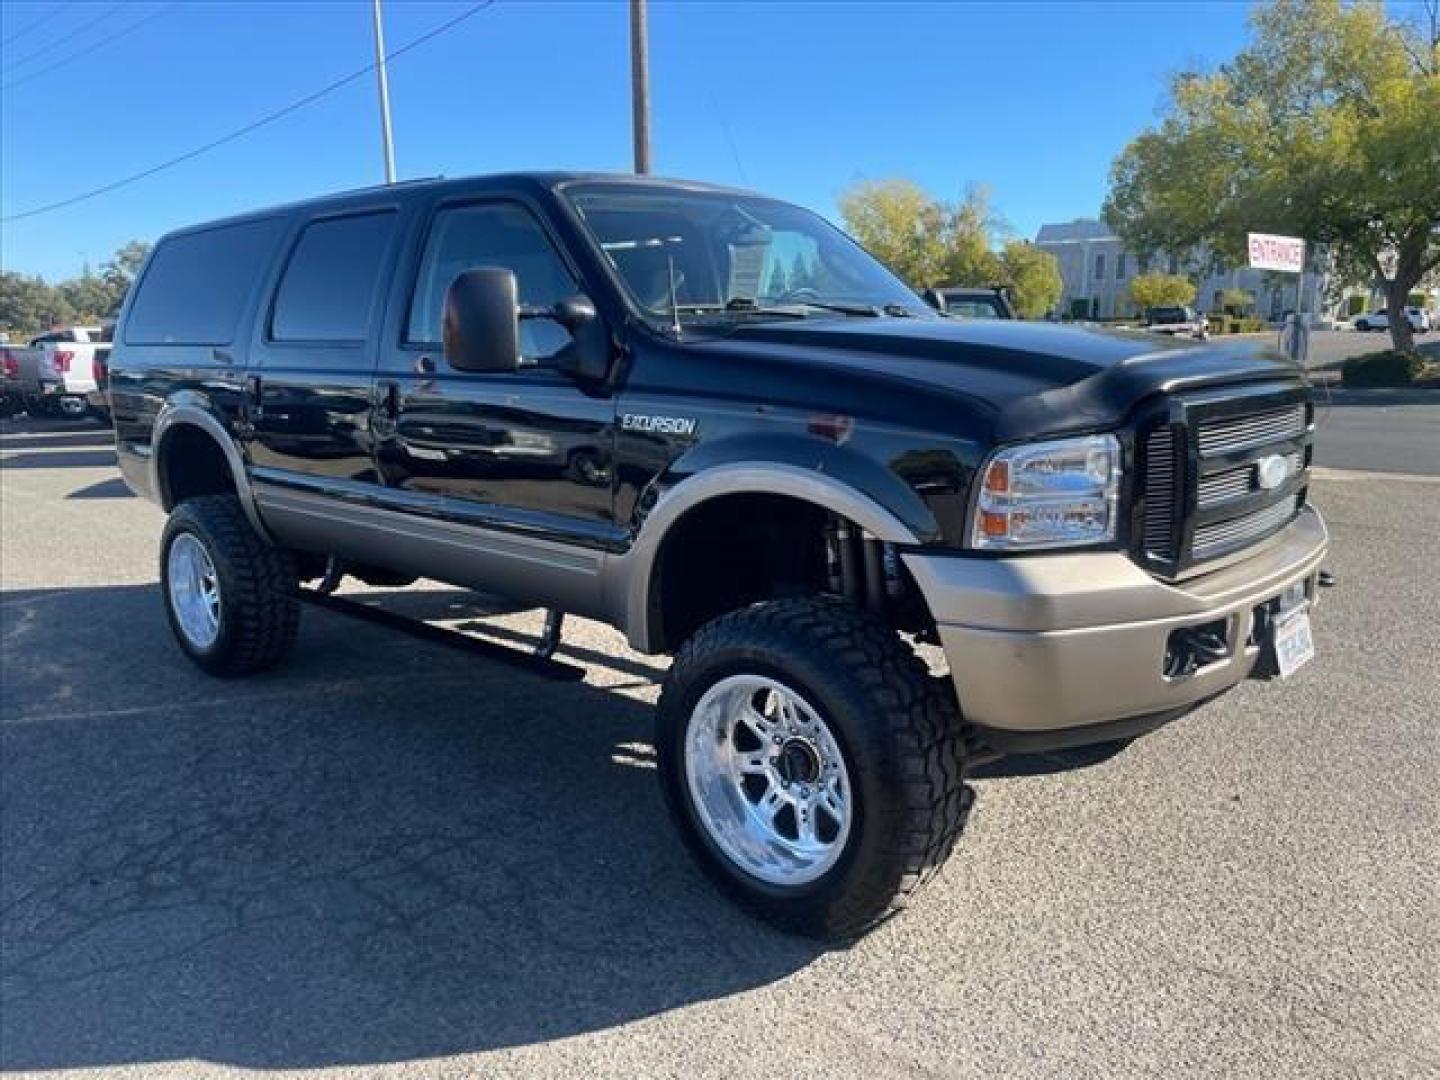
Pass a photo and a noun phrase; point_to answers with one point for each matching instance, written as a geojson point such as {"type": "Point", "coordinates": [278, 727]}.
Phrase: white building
{"type": "Point", "coordinates": [1097, 269]}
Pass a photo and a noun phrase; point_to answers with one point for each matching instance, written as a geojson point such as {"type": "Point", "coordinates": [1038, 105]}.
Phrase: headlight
{"type": "Point", "coordinates": [1050, 494]}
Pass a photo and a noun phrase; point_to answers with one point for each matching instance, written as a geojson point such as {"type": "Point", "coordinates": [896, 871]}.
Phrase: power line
{"type": "Point", "coordinates": [68, 37]}
{"type": "Point", "coordinates": [38, 22]}
{"type": "Point", "coordinates": [91, 48]}
{"type": "Point", "coordinates": [269, 118]}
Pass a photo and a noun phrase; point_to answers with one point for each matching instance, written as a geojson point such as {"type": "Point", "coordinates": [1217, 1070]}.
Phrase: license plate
{"type": "Point", "coordinates": [1294, 647]}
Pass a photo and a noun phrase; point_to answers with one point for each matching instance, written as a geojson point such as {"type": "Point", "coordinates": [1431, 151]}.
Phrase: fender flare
{"type": "Point", "coordinates": [633, 573]}
{"type": "Point", "coordinates": [193, 410]}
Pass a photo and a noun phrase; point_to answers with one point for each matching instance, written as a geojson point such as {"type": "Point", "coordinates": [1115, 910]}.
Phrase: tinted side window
{"type": "Point", "coordinates": [194, 290]}
{"type": "Point", "coordinates": [492, 234]}
{"type": "Point", "coordinates": [328, 288]}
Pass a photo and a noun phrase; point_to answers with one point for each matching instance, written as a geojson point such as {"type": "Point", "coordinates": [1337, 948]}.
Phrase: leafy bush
{"type": "Point", "coordinates": [1221, 323]}
{"type": "Point", "coordinates": [1389, 367]}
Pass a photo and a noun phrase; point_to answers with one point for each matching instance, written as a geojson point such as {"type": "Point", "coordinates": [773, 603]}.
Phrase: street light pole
{"type": "Point", "coordinates": [387, 141]}
{"type": "Point", "coordinates": [639, 85]}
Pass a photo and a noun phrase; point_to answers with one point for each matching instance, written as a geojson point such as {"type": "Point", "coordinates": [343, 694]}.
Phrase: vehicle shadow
{"type": "Point", "coordinates": [56, 459]}
{"type": "Point", "coordinates": [1049, 762]}
{"type": "Point", "coordinates": [385, 851]}
{"type": "Point", "coordinates": [105, 489]}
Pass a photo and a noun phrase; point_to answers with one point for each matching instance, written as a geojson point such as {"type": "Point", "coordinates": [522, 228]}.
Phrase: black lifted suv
{"type": "Point", "coordinates": [711, 420]}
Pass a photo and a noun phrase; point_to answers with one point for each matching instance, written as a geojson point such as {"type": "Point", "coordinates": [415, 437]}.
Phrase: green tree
{"type": "Point", "coordinates": [1322, 127]}
{"type": "Point", "coordinates": [29, 304]}
{"type": "Point", "coordinates": [971, 226]}
{"type": "Point", "coordinates": [119, 272]}
{"type": "Point", "coordinates": [1161, 290]}
{"type": "Point", "coordinates": [929, 242]}
{"type": "Point", "coordinates": [902, 226]}
{"type": "Point", "coordinates": [1033, 276]}
{"type": "Point", "coordinates": [88, 297]}
{"type": "Point", "coordinates": [1237, 302]}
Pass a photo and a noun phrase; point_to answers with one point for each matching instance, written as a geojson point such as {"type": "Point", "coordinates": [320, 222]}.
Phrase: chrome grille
{"type": "Point", "coordinates": [1236, 483]}
{"type": "Point", "coordinates": [1237, 433]}
{"type": "Point", "coordinates": [1160, 490]}
{"type": "Point", "coordinates": [1222, 536]}
{"type": "Point", "coordinates": [1199, 484]}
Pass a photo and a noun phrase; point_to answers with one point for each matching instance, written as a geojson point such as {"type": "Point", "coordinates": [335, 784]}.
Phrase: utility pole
{"type": "Point", "coordinates": [387, 142]}
{"type": "Point", "coordinates": [639, 85]}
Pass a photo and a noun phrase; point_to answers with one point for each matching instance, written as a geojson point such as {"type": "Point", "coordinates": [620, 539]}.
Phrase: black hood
{"type": "Point", "coordinates": [1033, 378]}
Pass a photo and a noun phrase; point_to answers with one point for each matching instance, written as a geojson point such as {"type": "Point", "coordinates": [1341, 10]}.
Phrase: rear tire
{"type": "Point", "coordinates": [858, 693]}
{"type": "Point", "coordinates": [230, 596]}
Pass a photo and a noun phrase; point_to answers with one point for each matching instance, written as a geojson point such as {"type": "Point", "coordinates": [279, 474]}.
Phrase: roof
{"type": "Point", "coordinates": [552, 179]}
{"type": "Point", "coordinates": [1080, 229]}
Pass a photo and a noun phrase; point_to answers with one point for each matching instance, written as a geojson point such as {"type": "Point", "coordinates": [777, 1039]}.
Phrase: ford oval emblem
{"type": "Point", "coordinates": [1271, 472]}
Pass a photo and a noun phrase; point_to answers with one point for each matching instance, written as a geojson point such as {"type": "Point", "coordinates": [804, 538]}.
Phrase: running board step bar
{"type": "Point", "coordinates": [539, 662]}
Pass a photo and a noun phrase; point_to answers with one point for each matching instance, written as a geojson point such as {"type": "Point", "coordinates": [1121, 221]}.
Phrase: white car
{"type": "Point", "coordinates": [1380, 320]}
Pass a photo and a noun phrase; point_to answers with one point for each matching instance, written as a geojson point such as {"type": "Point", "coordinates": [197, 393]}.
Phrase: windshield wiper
{"type": "Point", "coordinates": [741, 306]}
{"type": "Point", "coordinates": [746, 303]}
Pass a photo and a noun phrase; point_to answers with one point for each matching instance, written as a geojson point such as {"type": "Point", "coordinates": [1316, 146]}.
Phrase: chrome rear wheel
{"type": "Point", "coordinates": [194, 591]}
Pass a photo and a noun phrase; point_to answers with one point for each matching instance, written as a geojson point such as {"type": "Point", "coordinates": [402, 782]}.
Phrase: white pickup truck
{"type": "Point", "coordinates": [61, 372]}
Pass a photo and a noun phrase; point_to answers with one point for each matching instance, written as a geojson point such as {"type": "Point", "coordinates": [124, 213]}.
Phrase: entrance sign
{"type": "Point", "coordinates": [1283, 253]}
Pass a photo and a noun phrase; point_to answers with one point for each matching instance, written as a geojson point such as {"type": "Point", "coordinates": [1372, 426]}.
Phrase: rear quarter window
{"type": "Point", "coordinates": [328, 289]}
{"type": "Point", "coordinates": [195, 289]}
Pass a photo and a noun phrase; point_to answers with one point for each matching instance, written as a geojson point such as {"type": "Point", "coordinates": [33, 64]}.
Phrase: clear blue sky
{"type": "Point", "coordinates": [1033, 99]}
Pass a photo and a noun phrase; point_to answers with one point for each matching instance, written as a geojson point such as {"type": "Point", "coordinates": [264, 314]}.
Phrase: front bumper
{"type": "Point", "coordinates": [1065, 649]}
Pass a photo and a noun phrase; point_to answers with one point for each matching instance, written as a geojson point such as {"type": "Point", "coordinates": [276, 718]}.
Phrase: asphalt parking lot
{"type": "Point", "coordinates": [395, 857]}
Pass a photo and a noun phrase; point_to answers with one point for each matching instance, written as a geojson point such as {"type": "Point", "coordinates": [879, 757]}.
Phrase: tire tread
{"type": "Point", "coordinates": [925, 732]}
{"type": "Point", "coordinates": [260, 591]}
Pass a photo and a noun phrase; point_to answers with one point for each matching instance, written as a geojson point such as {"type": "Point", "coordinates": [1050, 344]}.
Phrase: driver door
{"type": "Point", "coordinates": [524, 457]}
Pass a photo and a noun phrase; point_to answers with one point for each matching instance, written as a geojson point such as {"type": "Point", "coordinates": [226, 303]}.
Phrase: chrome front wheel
{"type": "Point", "coordinates": [768, 780]}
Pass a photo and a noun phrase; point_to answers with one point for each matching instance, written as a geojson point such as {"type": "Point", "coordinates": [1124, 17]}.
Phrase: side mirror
{"type": "Point", "coordinates": [482, 320]}
{"type": "Point", "coordinates": [587, 356]}
{"type": "Point", "coordinates": [934, 298]}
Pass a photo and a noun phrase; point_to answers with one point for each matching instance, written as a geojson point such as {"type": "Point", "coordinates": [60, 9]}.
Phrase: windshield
{"type": "Point", "coordinates": [724, 255]}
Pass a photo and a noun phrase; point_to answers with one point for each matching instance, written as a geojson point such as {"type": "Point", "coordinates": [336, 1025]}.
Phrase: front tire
{"type": "Point", "coordinates": [813, 765]}
{"type": "Point", "coordinates": [230, 596]}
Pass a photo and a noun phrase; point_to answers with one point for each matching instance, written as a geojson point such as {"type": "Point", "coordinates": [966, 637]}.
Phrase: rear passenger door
{"type": "Point", "coordinates": [308, 388]}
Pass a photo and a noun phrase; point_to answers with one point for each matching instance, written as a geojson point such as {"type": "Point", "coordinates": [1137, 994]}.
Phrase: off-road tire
{"type": "Point", "coordinates": [899, 730]}
{"type": "Point", "coordinates": [259, 605]}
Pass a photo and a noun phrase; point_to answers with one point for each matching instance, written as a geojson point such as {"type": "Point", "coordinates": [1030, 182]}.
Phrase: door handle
{"type": "Point", "coordinates": [254, 395]}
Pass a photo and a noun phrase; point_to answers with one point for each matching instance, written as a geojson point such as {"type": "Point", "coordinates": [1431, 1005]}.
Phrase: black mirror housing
{"type": "Point", "coordinates": [587, 356]}
{"type": "Point", "coordinates": [482, 320]}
